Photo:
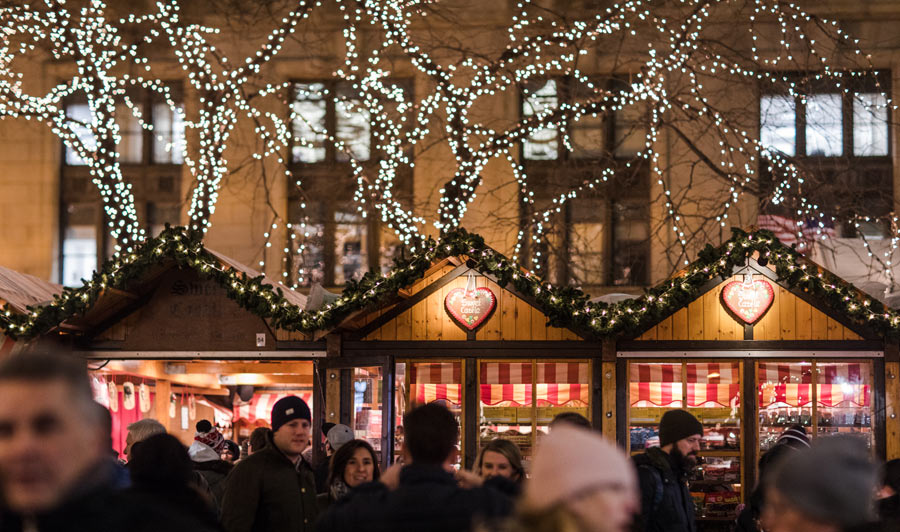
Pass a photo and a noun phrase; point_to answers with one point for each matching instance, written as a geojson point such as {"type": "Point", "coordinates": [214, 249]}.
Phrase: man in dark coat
{"type": "Point", "coordinates": [666, 503]}
{"type": "Point", "coordinates": [55, 470]}
{"type": "Point", "coordinates": [274, 490]}
{"type": "Point", "coordinates": [423, 495]}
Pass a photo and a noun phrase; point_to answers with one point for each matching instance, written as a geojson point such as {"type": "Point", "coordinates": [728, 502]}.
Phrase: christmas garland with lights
{"type": "Point", "coordinates": [564, 306]}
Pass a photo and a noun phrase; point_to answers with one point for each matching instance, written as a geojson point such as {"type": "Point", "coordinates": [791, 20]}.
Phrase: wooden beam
{"type": "Point", "coordinates": [161, 403]}
{"type": "Point", "coordinates": [226, 367]}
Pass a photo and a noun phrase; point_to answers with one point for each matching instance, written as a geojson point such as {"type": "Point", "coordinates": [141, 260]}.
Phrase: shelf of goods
{"type": "Point", "coordinates": [711, 392]}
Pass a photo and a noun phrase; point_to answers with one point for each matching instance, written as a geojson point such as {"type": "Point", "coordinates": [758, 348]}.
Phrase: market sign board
{"type": "Point", "coordinates": [748, 300]}
{"type": "Point", "coordinates": [470, 307]}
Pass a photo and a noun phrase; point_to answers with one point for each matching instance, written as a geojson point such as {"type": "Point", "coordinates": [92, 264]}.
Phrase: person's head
{"type": "Point", "coordinates": [431, 432]}
{"type": "Point", "coordinates": [259, 438]}
{"type": "Point", "coordinates": [501, 458]}
{"type": "Point", "coordinates": [587, 476]}
{"type": "Point", "coordinates": [680, 434]}
{"type": "Point", "coordinates": [337, 436]}
{"type": "Point", "coordinates": [827, 487]}
{"type": "Point", "coordinates": [51, 432]}
{"type": "Point", "coordinates": [160, 461]}
{"type": "Point", "coordinates": [353, 464]}
{"type": "Point", "coordinates": [232, 451]}
{"type": "Point", "coordinates": [209, 436]}
{"type": "Point", "coordinates": [291, 421]}
{"type": "Point", "coordinates": [571, 418]}
{"type": "Point", "coordinates": [141, 430]}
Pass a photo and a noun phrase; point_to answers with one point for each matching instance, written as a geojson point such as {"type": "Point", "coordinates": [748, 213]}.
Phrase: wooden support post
{"type": "Point", "coordinates": [161, 404]}
{"type": "Point", "coordinates": [608, 390]}
{"type": "Point", "coordinates": [892, 400]}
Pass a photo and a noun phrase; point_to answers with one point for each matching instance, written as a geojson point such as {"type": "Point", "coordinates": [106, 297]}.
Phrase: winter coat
{"type": "Point", "coordinates": [266, 492]}
{"type": "Point", "coordinates": [427, 500]}
{"type": "Point", "coordinates": [214, 472]}
{"type": "Point", "coordinates": [666, 502]}
{"type": "Point", "coordinates": [99, 505]}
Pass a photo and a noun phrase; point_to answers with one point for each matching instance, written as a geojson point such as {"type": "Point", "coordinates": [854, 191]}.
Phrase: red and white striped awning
{"type": "Point", "coordinates": [558, 383]}
{"type": "Point", "coordinates": [259, 408]}
{"type": "Point", "coordinates": [831, 373]}
{"type": "Point", "coordinates": [798, 395]}
{"type": "Point", "coordinates": [706, 382]}
{"type": "Point", "coordinates": [436, 381]}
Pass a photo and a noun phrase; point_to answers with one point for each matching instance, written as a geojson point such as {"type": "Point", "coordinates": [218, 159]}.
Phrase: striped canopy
{"type": "Point", "coordinates": [436, 381]}
{"type": "Point", "coordinates": [705, 382]}
{"type": "Point", "coordinates": [839, 384]}
{"type": "Point", "coordinates": [259, 408]}
{"type": "Point", "coordinates": [558, 383]}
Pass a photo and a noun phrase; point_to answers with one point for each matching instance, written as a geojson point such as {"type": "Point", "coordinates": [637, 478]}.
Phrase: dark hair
{"type": "Point", "coordinates": [508, 449]}
{"type": "Point", "coordinates": [342, 457]}
{"type": "Point", "coordinates": [160, 461]}
{"type": "Point", "coordinates": [46, 366]}
{"type": "Point", "coordinates": [233, 448]}
{"type": "Point", "coordinates": [259, 438]}
{"type": "Point", "coordinates": [431, 432]}
{"type": "Point", "coordinates": [572, 418]}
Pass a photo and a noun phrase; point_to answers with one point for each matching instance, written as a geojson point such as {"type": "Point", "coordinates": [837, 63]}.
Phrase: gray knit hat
{"type": "Point", "coordinates": [832, 481]}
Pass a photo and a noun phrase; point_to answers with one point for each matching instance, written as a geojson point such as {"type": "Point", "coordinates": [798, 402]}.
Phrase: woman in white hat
{"type": "Point", "coordinates": [579, 482]}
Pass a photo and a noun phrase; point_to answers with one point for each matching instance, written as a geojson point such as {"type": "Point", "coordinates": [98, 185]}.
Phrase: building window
{"type": "Point", "coordinates": [840, 141]}
{"type": "Point", "coordinates": [150, 160]}
{"type": "Point", "coordinates": [331, 242]}
{"type": "Point", "coordinates": [602, 236]}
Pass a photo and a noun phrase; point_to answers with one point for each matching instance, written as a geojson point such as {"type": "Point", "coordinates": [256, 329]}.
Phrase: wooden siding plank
{"type": "Point", "coordinates": [538, 325]}
{"type": "Point", "coordinates": [892, 409]}
{"type": "Point", "coordinates": [404, 325]}
{"type": "Point", "coordinates": [491, 329]}
{"type": "Point", "coordinates": [803, 320]}
{"type": "Point", "coordinates": [819, 325]}
{"type": "Point", "coordinates": [664, 329]}
{"type": "Point", "coordinates": [680, 325]}
{"type": "Point", "coordinates": [834, 329]}
{"type": "Point", "coordinates": [695, 320]}
{"type": "Point", "coordinates": [507, 312]}
{"type": "Point", "coordinates": [788, 314]}
{"type": "Point", "coordinates": [651, 334]}
{"type": "Point", "coordinates": [523, 320]}
{"type": "Point", "coordinates": [711, 315]}
{"type": "Point", "coordinates": [419, 331]}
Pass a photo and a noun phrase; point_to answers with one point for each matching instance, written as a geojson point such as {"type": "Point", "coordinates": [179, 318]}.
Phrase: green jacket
{"type": "Point", "coordinates": [266, 493]}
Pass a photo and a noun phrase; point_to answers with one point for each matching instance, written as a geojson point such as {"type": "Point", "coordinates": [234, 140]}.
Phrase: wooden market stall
{"type": "Point", "coordinates": [178, 333]}
{"type": "Point", "coordinates": [768, 342]}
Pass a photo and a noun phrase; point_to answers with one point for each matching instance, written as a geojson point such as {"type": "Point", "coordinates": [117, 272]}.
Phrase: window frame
{"type": "Point", "coordinates": [329, 182]}
{"type": "Point", "coordinates": [628, 169]}
{"type": "Point", "coordinates": [154, 185]}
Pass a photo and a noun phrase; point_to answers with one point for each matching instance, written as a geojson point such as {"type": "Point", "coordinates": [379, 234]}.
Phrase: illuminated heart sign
{"type": "Point", "coordinates": [748, 300]}
{"type": "Point", "coordinates": [470, 307]}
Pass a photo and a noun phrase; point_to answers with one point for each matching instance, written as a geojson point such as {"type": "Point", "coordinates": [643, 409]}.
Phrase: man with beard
{"type": "Point", "coordinates": [666, 503]}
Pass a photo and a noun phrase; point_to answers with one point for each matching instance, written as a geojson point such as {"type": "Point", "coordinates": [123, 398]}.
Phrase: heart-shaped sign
{"type": "Point", "coordinates": [748, 300]}
{"type": "Point", "coordinates": [470, 308]}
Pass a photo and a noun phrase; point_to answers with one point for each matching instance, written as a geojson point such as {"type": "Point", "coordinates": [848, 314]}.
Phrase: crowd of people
{"type": "Point", "coordinates": [59, 473]}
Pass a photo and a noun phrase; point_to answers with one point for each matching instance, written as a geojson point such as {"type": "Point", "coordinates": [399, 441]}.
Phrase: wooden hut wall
{"type": "Point", "coordinates": [789, 318]}
{"type": "Point", "coordinates": [512, 319]}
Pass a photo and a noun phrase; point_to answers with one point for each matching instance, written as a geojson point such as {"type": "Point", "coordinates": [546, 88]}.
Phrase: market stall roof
{"type": "Point", "coordinates": [18, 291]}
{"type": "Point", "coordinates": [565, 306]}
{"type": "Point", "coordinates": [127, 282]}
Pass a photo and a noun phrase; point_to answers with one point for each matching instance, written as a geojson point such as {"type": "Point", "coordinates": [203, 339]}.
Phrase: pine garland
{"type": "Point", "coordinates": [564, 306]}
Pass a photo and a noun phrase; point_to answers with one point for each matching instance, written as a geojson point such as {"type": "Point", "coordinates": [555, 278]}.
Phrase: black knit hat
{"type": "Point", "coordinates": [288, 409]}
{"type": "Point", "coordinates": [676, 425]}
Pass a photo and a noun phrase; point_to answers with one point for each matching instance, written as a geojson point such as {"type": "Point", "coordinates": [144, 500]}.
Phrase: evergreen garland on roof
{"type": "Point", "coordinates": [564, 306]}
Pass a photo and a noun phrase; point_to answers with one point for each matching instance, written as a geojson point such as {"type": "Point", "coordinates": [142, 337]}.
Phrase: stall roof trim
{"type": "Point", "coordinates": [18, 291]}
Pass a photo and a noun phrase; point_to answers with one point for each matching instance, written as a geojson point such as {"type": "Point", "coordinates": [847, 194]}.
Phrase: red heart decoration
{"type": "Point", "coordinates": [748, 301]}
{"type": "Point", "coordinates": [470, 309]}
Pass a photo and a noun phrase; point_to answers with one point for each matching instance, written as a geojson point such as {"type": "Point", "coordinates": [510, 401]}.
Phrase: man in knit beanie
{"type": "Point", "coordinates": [826, 488]}
{"type": "Point", "coordinates": [666, 502]}
{"type": "Point", "coordinates": [274, 490]}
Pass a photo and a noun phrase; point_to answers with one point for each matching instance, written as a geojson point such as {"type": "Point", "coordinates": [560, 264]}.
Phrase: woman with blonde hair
{"type": "Point", "coordinates": [579, 483]}
{"type": "Point", "coordinates": [501, 458]}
